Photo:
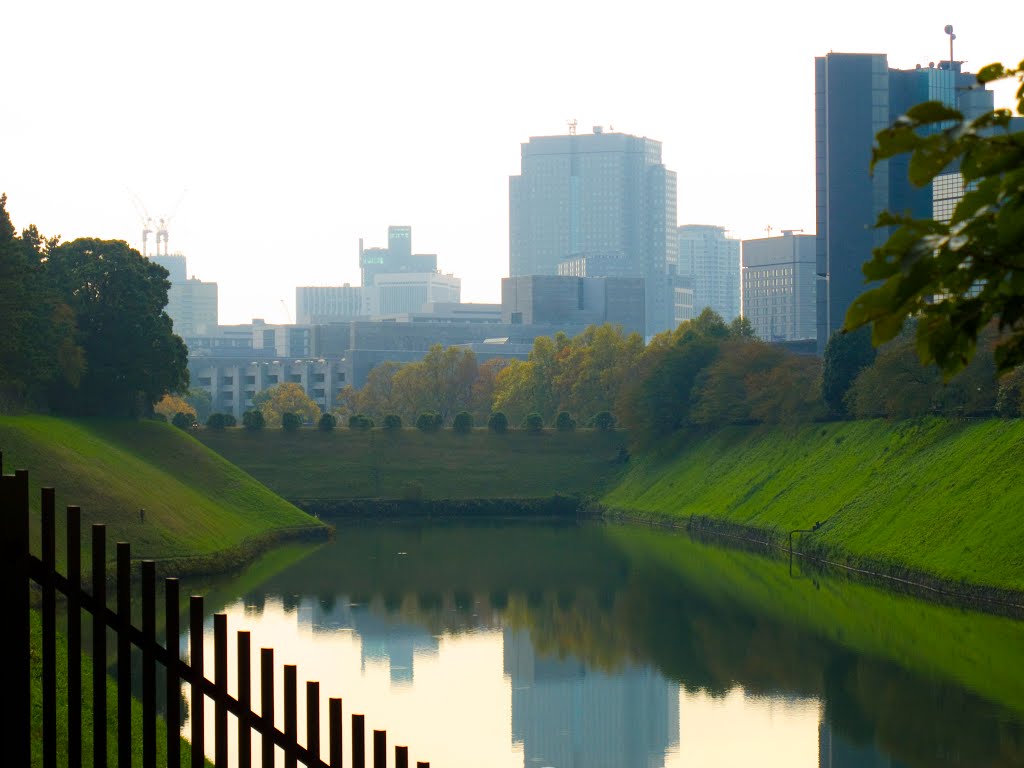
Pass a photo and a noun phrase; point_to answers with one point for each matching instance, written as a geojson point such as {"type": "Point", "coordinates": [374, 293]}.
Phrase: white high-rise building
{"type": "Point", "coordinates": [191, 303]}
{"type": "Point", "coordinates": [711, 261]}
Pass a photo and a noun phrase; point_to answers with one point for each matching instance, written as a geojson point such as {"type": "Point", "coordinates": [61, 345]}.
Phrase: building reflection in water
{"type": "Point", "coordinates": [382, 638]}
{"type": "Point", "coordinates": [568, 715]}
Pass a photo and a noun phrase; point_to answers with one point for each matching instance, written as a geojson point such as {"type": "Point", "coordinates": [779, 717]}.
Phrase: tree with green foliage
{"type": "Point", "coordinates": [498, 423]}
{"type": "Point", "coordinates": [534, 423]}
{"type": "Point", "coordinates": [429, 422]}
{"type": "Point", "coordinates": [327, 422]}
{"type": "Point", "coordinates": [38, 345]}
{"type": "Point", "coordinates": [846, 355]}
{"type": "Point", "coordinates": [290, 422]}
{"type": "Point", "coordinates": [722, 391]}
{"type": "Point", "coordinates": [217, 422]}
{"type": "Point", "coordinates": [183, 420]}
{"type": "Point", "coordinates": [955, 277]}
{"type": "Point", "coordinates": [253, 420]}
{"type": "Point", "coordinates": [132, 355]}
{"type": "Point", "coordinates": [604, 421]}
{"type": "Point", "coordinates": [659, 400]}
{"type": "Point", "coordinates": [392, 422]}
{"type": "Point", "coordinates": [288, 397]}
{"type": "Point", "coordinates": [564, 422]}
{"type": "Point", "coordinates": [360, 422]}
{"type": "Point", "coordinates": [463, 422]}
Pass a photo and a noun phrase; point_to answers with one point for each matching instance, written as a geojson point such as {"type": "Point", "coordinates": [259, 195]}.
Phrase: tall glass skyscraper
{"type": "Point", "coordinates": [605, 203]}
{"type": "Point", "coordinates": [856, 96]}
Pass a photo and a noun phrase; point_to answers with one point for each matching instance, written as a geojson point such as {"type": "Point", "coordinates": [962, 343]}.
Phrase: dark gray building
{"type": "Point", "coordinates": [573, 302]}
{"type": "Point", "coordinates": [605, 203]}
{"type": "Point", "coordinates": [856, 96]}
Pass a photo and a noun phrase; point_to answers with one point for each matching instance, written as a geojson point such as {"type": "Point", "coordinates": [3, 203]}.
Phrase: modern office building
{"type": "Point", "coordinates": [573, 302]}
{"type": "Point", "coordinates": [327, 303]}
{"type": "Point", "coordinates": [711, 261]}
{"type": "Point", "coordinates": [396, 258]}
{"type": "Point", "coordinates": [603, 202]}
{"type": "Point", "coordinates": [403, 292]}
{"type": "Point", "coordinates": [856, 96]}
{"type": "Point", "coordinates": [191, 303]}
{"type": "Point", "coordinates": [779, 285]}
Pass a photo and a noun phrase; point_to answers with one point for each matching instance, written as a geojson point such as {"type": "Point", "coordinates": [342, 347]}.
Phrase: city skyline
{"type": "Point", "coordinates": [292, 146]}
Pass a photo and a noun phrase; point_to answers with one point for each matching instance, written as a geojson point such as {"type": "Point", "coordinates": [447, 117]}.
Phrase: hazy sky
{"type": "Point", "coordinates": [299, 127]}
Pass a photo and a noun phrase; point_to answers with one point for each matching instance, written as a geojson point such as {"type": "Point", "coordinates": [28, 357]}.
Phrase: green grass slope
{"type": "Point", "coordinates": [344, 464]}
{"type": "Point", "coordinates": [939, 497]}
{"type": "Point", "coordinates": [196, 502]}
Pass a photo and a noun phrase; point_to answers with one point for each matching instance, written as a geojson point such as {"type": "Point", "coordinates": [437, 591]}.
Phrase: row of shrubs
{"type": "Point", "coordinates": [426, 422]}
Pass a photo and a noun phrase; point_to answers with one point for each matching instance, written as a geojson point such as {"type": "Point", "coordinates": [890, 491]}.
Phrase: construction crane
{"type": "Point", "coordinates": [287, 313]}
{"type": "Point", "coordinates": [165, 222]}
{"type": "Point", "coordinates": [147, 221]}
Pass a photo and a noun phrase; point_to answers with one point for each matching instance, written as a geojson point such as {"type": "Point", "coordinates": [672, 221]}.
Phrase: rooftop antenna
{"type": "Point", "coordinates": [572, 126]}
{"type": "Point", "coordinates": [952, 37]}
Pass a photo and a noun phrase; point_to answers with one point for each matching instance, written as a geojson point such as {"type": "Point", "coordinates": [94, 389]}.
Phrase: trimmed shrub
{"type": "Point", "coordinates": [217, 422]}
{"type": "Point", "coordinates": [182, 420]}
{"type": "Point", "coordinates": [605, 421]}
{"type": "Point", "coordinates": [253, 421]}
{"type": "Point", "coordinates": [463, 422]}
{"type": "Point", "coordinates": [392, 422]}
{"type": "Point", "coordinates": [327, 422]}
{"type": "Point", "coordinates": [290, 421]}
{"type": "Point", "coordinates": [564, 422]}
{"type": "Point", "coordinates": [498, 423]}
{"type": "Point", "coordinates": [230, 420]}
{"type": "Point", "coordinates": [360, 422]}
{"type": "Point", "coordinates": [429, 422]}
{"type": "Point", "coordinates": [534, 423]}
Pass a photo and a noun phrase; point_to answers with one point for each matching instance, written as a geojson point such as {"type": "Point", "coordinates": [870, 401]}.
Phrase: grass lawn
{"type": "Point", "coordinates": [945, 498]}
{"type": "Point", "coordinates": [348, 464]}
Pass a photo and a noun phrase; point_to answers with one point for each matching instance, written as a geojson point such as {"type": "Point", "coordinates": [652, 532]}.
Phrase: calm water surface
{"type": "Point", "coordinates": [533, 645]}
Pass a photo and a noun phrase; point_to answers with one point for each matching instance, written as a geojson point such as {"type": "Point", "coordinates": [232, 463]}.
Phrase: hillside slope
{"type": "Point", "coordinates": [932, 496]}
{"type": "Point", "coordinates": [196, 503]}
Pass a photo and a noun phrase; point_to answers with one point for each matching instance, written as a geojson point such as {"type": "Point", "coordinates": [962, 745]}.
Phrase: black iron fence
{"type": "Point", "coordinates": [19, 568]}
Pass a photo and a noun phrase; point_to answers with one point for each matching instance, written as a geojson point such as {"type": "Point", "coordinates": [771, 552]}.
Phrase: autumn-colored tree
{"type": "Point", "coordinates": [787, 393]}
{"type": "Point", "coordinates": [171, 404]}
{"type": "Point", "coordinates": [722, 392]}
{"type": "Point", "coordinates": [513, 390]}
{"type": "Point", "coordinates": [280, 399]}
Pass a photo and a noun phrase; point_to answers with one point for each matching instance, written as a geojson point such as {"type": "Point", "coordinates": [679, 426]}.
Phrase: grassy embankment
{"type": "Point", "coordinates": [202, 513]}
{"type": "Point", "coordinates": [930, 497]}
{"type": "Point", "coordinates": [312, 465]}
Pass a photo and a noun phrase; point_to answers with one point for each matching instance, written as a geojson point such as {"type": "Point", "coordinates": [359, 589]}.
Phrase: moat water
{"type": "Point", "coordinates": [527, 645]}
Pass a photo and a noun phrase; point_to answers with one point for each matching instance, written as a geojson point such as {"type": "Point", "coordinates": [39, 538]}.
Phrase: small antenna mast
{"type": "Point", "coordinates": [952, 37]}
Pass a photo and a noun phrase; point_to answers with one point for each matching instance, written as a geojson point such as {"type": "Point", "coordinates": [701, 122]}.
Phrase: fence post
{"type": "Point", "coordinates": [291, 715]}
{"type": "Point", "coordinates": [124, 655]}
{"type": "Point", "coordinates": [16, 730]}
{"type": "Point", "coordinates": [74, 554]}
{"type": "Point", "coordinates": [267, 704]}
{"type": "Point", "coordinates": [401, 757]}
{"type": "Point", "coordinates": [99, 644]}
{"type": "Point", "coordinates": [49, 558]}
{"type": "Point", "coordinates": [149, 664]}
{"type": "Point", "coordinates": [380, 749]}
{"type": "Point", "coordinates": [313, 718]}
{"type": "Point", "coordinates": [195, 662]}
{"type": "Point", "coordinates": [334, 731]}
{"type": "Point", "coordinates": [245, 700]}
{"type": "Point", "coordinates": [358, 741]}
{"type": "Point", "coordinates": [172, 625]}
{"type": "Point", "coordinates": [220, 677]}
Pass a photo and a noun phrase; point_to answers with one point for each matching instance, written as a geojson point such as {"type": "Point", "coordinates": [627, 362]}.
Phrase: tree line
{"type": "Point", "coordinates": [84, 327]}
